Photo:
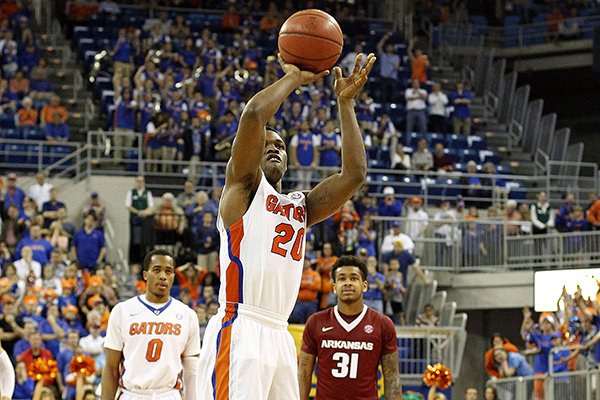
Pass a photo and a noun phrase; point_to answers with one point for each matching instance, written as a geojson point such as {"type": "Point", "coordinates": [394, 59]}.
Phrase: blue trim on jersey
{"type": "Point", "coordinates": [223, 326]}
{"type": "Point", "coordinates": [155, 311]}
{"type": "Point", "coordinates": [238, 262]}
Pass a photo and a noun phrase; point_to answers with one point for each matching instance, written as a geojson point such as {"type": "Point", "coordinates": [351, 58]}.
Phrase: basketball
{"type": "Point", "coordinates": [311, 40]}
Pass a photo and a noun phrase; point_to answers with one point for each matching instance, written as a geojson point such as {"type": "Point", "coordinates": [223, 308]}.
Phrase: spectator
{"type": "Point", "coordinates": [207, 241]}
{"type": "Point", "coordinates": [399, 159]}
{"type": "Point", "coordinates": [540, 337]}
{"type": "Point", "coordinates": [28, 59]}
{"type": "Point", "coordinates": [374, 295]}
{"type": "Point", "coordinates": [19, 84]}
{"type": "Point", "coordinates": [418, 64]}
{"type": "Point", "coordinates": [474, 249]}
{"type": "Point", "coordinates": [324, 264]}
{"type": "Point", "coordinates": [93, 344]}
{"type": "Point", "coordinates": [191, 276]}
{"type": "Point", "coordinates": [490, 393]}
{"type": "Point", "coordinates": [64, 357]}
{"type": "Point", "coordinates": [389, 206]}
{"type": "Point", "coordinates": [511, 364]}
{"type": "Point", "coordinates": [498, 340]}
{"type": "Point", "coordinates": [384, 132]}
{"type": "Point", "coordinates": [542, 219]}
{"type": "Point", "coordinates": [14, 195]}
{"type": "Point", "coordinates": [57, 130]}
{"type": "Point", "coordinates": [330, 145]}
{"type": "Point", "coordinates": [461, 101]}
{"type": "Point", "coordinates": [417, 221]}
{"type": "Point", "coordinates": [304, 155]}
{"type": "Point", "coordinates": [71, 321]}
{"type": "Point", "coordinates": [124, 124]}
{"type": "Point", "coordinates": [428, 317]}
{"type": "Point", "coordinates": [422, 160]}
{"type": "Point", "coordinates": [570, 28]}
{"type": "Point", "coordinates": [437, 109]}
{"type": "Point", "coordinates": [27, 115]}
{"type": "Point", "coordinates": [461, 14]}
{"type": "Point", "coordinates": [367, 236]}
{"type": "Point", "coordinates": [231, 19]}
{"type": "Point", "coordinates": [35, 351]}
{"type": "Point", "coordinates": [152, 140]}
{"type": "Point", "coordinates": [396, 234]}
{"type": "Point", "coordinates": [96, 206]}
{"type": "Point", "coordinates": [553, 21]}
{"type": "Point", "coordinates": [389, 65]}
{"type": "Point", "coordinates": [11, 324]}
{"type": "Point", "coordinates": [51, 331]}
{"type": "Point", "coordinates": [347, 63]}
{"type": "Point", "coordinates": [40, 247]}
{"type": "Point", "coordinates": [563, 213]}
{"type": "Point", "coordinates": [140, 204]}
{"type": "Point", "coordinates": [406, 261]}
{"type": "Point", "coordinates": [416, 108]}
{"type": "Point", "coordinates": [186, 198]}
{"type": "Point", "coordinates": [347, 218]}
{"type": "Point", "coordinates": [196, 140]}
{"type": "Point", "coordinates": [395, 289]}
{"type": "Point", "coordinates": [24, 385]}
{"type": "Point", "coordinates": [48, 111]}
{"type": "Point", "coordinates": [170, 221]}
{"type": "Point", "coordinates": [89, 245]}
{"type": "Point", "coordinates": [542, 216]}
{"type": "Point", "coordinates": [471, 184]}
{"type": "Point", "coordinates": [12, 228]}
{"type": "Point", "coordinates": [442, 162]}
{"type": "Point", "coordinates": [51, 207]}
{"type": "Point", "coordinates": [40, 191]}
{"type": "Point", "coordinates": [576, 223]}
{"type": "Point", "coordinates": [445, 231]}
{"type": "Point", "coordinates": [307, 297]}
{"type": "Point", "coordinates": [270, 22]}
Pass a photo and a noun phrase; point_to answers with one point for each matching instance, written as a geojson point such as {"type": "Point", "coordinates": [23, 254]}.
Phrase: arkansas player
{"type": "Point", "coordinates": [348, 342]}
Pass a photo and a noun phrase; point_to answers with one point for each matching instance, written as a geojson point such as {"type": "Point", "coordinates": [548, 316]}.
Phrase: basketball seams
{"type": "Point", "coordinates": [309, 59]}
{"type": "Point", "coordinates": [321, 14]}
{"type": "Point", "coordinates": [312, 36]}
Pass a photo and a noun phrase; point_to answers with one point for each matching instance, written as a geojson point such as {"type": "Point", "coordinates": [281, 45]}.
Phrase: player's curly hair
{"type": "Point", "coordinates": [157, 252]}
{"type": "Point", "coordinates": [350, 261]}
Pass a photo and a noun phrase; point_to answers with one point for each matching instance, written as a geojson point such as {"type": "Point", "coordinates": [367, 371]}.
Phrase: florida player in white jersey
{"type": "Point", "coordinates": [152, 341]}
{"type": "Point", "coordinates": [348, 342]}
{"type": "Point", "coordinates": [7, 376]}
{"type": "Point", "coordinates": [247, 351]}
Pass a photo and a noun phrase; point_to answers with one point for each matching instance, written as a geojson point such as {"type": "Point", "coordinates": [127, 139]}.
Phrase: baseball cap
{"type": "Point", "coordinates": [95, 280]}
{"type": "Point", "coordinates": [30, 299]}
{"type": "Point", "coordinates": [416, 200]}
{"type": "Point", "coordinates": [68, 283]}
{"type": "Point", "coordinates": [50, 294]}
{"type": "Point", "coordinates": [388, 191]}
{"type": "Point", "coordinates": [12, 176]}
{"type": "Point", "coordinates": [93, 195]}
{"type": "Point", "coordinates": [92, 301]}
{"type": "Point", "coordinates": [69, 307]}
{"type": "Point", "coordinates": [396, 224]}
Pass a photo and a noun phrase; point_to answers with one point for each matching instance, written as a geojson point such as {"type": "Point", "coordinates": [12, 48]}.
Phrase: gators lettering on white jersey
{"type": "Point", "coordinates": [153, 341]}
{"type": "Point", "coordinates": [262, 254]}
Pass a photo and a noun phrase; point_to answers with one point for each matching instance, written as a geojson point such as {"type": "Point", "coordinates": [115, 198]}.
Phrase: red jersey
{"type": "Point", "coordinates": [348, 353]}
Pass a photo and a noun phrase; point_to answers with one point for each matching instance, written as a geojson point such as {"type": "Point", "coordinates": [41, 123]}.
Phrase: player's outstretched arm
{"type": "Point", "coordinates": [305, 371]}
{"type": "Point", "coordinates": [328, 196]}
{"type": "Point", "coordinates": [391, 376]}
{"type": "Point", "coordinates": [110, 374]}
{"type": "Point", "coordinates": [248, 147]}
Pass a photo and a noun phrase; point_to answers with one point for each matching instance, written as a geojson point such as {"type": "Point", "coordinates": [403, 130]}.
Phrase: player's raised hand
{"type": "Point", "coordinates": [305, 77]}
{"type": "Point", "coordinates": [348, 87]}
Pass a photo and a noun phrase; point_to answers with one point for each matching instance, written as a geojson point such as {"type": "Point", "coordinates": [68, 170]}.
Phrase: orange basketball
{"type": "Point", "coordinates": [311, 40]}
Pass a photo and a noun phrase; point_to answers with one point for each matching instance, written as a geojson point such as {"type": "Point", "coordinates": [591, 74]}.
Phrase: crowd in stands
{"type": "Point", "coordinates": [29, 109]}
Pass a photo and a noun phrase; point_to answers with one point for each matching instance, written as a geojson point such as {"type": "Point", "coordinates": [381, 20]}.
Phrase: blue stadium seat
{"type": "Point", "coordinates": [33, 154]}
{"type": "Point", "coordinates": [12, 133]}
{"type": "Point", "coordinates": [7, 121]}
{"type": "Point", "coordinates": [16, 154]}
{"type": "Point", "coordinates": [469, 155]}
{"type": "Point", "coordinates": [458, 142]}
{"type": "Point", "coordinates": [33, 133]}
{"type": "Point", "coordinates": [132, 165]}
{"type": "Point", "coordinates": [476, 143]}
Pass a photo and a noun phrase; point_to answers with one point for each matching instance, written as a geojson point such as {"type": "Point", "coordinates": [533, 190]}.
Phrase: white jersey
{"type": "Point", "coordinates": [262, 254]}
{"type": "Point", "coordinates": [152, 340]}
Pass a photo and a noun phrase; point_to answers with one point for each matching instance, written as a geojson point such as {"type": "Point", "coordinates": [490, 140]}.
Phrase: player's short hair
{"type": "Point", "coordinates": [272, 128]}
{"type": "Point", "coordinates": [350, 261]}
{"type": "Point", "coordinates": [157, 252]}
